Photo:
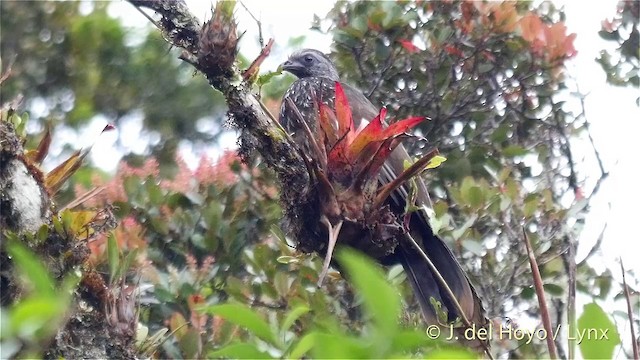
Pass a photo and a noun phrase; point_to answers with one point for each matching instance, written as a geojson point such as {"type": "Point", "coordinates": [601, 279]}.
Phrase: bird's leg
{"type": "Point", "coordinates": [333, 238]}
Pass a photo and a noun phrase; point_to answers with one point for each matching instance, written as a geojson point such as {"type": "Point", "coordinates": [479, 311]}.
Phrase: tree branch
{"type": "Point", "coordinates": [211, 50]}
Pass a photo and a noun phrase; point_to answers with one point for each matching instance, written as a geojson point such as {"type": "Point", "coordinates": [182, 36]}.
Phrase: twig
{"type": "Point", "coordinates": [151, 20]}
{"type": "Point", "coordinates": [258, 22]}
{"type": "Point", "coordinates": [559, 306]}
{"type": "Point", "coordinates": [544, 310]}
{"type": "Point", "coordinates": [413, 170]}
{"type": "Point", "coordinates": [255, 65]}
{"type": "Point", "coordinates": [634, 340]}
{"type": "Point", "coordinates": [570, 261]}
{"type": "Point", "coordinates": [586, 126]}
{"type": "Point", "coordinates": [5, 75]}
{"type": "Point", "coordinates": [84, 197]}
{"type": "Point", "coordinates": [178, 26]}
{"type": "Point", "coordinates": [388, 64]}
{"type": "Point", "coordinates": [595, 246]}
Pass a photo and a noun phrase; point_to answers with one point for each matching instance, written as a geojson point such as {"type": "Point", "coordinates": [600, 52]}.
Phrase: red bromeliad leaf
{"type": "Point", "coordinates": [337, 160]}
{"type": "Point", "coordinates": [373, 145]}
{"type": "Point", "coordinates": [375, 161]}
{"type": "Point", "coordinates": [357, 155]}
{"type": "Point", "coordinates": [402, 126]}
{"type": "Point", "coordinates": [373, 132]}
{"type": "Point", "coordinates": [343, 113]}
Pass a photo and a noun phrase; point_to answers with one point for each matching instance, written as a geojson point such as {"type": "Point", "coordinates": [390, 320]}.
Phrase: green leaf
{"type": "Point", "coordinates": [410, 340]}
{"type": "Point", "coordinates": [471, 193]}
{"type": "Point", "coordinates": [527, 293]}
{"type": "Point", "coordinates": [473, 246]}
{"type": "Point", "coordinates": [598, 333]}
{"type": "Point", "coordinates": [243, 316]}
{"type": "Point", "coordinates": [278, 233]}
{"type": "Point", "coordinates": [156, 196]}
{"type": "Point", "coordinates": [287, 259]}
{"type": "Point", "coordinates": [191, 343]}
{"type": "Point", "coordinates": [380, 299]}
{"type": "Point", "coordinates": [32, 268]}
{"type": "Point", "coordinates": [340, 346]}
{"type": "Point", "coordinates": [126, 263]}
{"type": "Point", "coordinates": [113, 255]}
{"type": "Point", "coordinates": [33, 314]}
{"type": "Point", "coordinates": [530, 207]}
{"type": "Point", "coordinates": [475, 197]}
{"type": "Point", "coordinates": [293, 315]}
{"type": "Point", "coordinates": [239, 351]}
{"type": "Point", "coordinates": [553, 289]}
{"type": "Point", "coordinates": [264, 79]}
{"type": "Point", "coordinates": [303, 346]}
{"type": "Point", "coordinates": [435, 162]}
{"type": "Point", "coordinates": [452, 353]}
{"type": "Point", "coordinates": [485, 67]}
{"type": "Point", "coordinates": [132, 185]}
{"type": "Point", "coordinates": [514, 150]}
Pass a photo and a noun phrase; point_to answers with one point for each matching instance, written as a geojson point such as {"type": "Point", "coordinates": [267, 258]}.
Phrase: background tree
{"type": "Point", "coordinates": [74, 63]}
{"type": "Point", "coordinates": [491, 77]}
{"type": "Point", "coordinates": [622, 64]}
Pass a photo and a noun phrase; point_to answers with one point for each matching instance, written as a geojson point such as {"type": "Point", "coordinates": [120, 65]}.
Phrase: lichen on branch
{"type": "Point", "coordinates": [212, 52]}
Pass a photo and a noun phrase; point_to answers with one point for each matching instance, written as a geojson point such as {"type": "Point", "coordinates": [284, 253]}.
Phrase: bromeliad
{"type": "Point", "coordinates": [346, 161]}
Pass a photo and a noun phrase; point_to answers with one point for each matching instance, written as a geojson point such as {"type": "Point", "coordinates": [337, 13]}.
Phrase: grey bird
{"type": "Point", "coordinates": [317, 75]}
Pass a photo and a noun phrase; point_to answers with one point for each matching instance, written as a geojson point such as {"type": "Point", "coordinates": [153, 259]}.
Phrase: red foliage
{"type": "Point", "coordinates": [547, 40]}
{"type": "Point", "coordinates": [409, 46]}
{"type": "Point", "coordinates": [358, 153]}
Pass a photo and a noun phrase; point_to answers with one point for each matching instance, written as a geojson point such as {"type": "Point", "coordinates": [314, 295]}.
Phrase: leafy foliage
{"type": "Point", "coordinates": [622, 65]}
{"type": "Point", "coordinates": [598, 333]}
{"type": "Point", "coordinates": [380, 337]}
{"type": "Point", "coordinates": [38, 316]}
{"type": "Point", "coordinates": [69, 61]}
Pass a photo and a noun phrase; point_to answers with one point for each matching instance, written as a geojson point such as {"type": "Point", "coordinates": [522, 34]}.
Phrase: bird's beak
{"type": "Point", "coordinates": [292, 67]}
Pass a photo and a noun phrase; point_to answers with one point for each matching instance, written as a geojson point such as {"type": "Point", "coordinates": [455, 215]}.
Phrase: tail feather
{"type": "Point", "coordinates": [427, 287]}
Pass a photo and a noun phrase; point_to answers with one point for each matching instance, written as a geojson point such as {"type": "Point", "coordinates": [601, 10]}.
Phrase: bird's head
{"type": "Point", "coordinates": [309, 62]}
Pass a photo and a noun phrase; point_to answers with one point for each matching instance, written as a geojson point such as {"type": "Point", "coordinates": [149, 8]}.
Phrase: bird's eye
{"type": "Point", "coordinates": [308, 59]}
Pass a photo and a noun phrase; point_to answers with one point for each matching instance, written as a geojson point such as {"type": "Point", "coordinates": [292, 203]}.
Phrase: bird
{"type": "Point", "coordinates": [316, 78]}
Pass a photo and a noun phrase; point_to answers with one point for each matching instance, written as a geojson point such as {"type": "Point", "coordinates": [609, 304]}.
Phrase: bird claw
{"type": "Point", "coordinates": [333, 238]}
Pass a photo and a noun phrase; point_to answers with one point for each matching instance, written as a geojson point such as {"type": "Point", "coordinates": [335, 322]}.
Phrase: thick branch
{"type": "Point", "coordinates": [208, 52]}
{"type": "Point", "coordinates": [179, 26]}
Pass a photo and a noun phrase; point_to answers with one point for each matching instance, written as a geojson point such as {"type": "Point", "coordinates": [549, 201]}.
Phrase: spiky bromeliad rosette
{"type": "Point", "coordinates": [349, 204]}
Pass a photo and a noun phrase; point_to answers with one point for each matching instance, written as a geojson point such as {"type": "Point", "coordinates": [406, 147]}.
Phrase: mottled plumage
{"type": "Point", "coordinates": [316, 80]}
